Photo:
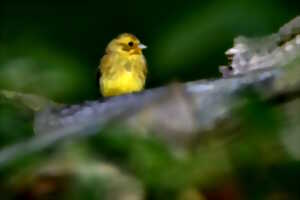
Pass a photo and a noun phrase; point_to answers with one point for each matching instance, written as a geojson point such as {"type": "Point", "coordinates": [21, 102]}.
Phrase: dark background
{"type": "Point", "coordinates": [53, 49]}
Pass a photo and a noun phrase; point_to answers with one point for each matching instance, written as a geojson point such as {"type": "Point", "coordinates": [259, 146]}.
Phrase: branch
{"type": "Point", "coordinates": [277, 49]}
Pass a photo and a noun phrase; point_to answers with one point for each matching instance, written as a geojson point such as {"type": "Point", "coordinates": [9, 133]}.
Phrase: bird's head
{"type": "Point", "coordinates": [126, 43]}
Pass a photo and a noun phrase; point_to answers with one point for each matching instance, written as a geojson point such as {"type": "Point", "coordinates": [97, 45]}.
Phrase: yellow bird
{"type": "Point", "coordinates": [123, 68]}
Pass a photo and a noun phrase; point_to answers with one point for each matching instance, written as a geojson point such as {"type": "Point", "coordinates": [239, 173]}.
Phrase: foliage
{"type": "Point", "coordinates": [54, 49]}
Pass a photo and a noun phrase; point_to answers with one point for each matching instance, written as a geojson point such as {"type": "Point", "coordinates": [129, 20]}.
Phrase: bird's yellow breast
{"type": "Point", "coordinates": [123, 75]}
{"type": "Point", "coordinates": [123, 82]}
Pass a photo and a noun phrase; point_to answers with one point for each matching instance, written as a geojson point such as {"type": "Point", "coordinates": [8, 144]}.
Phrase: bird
{"type": "Point", "coordinates": [123, 68]}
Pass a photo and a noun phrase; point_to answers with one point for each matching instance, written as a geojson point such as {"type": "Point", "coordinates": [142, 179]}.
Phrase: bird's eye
{"type": "Point", "coordinates": [130, 44]}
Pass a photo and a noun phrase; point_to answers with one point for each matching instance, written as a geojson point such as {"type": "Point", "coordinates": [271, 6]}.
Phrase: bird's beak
{"type": "Point", "coordinates": [142, 46]}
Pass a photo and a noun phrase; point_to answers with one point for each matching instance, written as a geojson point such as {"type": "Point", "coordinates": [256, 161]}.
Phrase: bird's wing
{"type": "Point", "coordinates": [105, 63]}
{"type": "Point", "coordinates": [102, 67]}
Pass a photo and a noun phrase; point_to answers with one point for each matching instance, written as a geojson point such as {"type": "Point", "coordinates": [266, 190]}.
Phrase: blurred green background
{"type": "Point", "coordinates": [54, 48]}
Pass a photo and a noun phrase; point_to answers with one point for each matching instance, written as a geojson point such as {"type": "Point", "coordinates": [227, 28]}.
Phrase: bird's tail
{"type": "Point", "coordinates": [31, 101]}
